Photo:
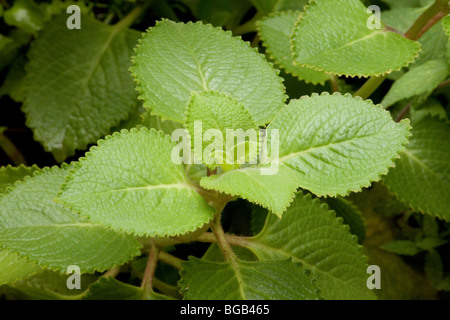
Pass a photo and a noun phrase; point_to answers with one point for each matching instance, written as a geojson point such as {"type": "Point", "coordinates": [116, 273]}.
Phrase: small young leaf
{"type": "Point", "coordinates": [175, 59]}
{"type": "Point", "coordinates": [78, 83]}
{"type": "Point", "coordinates": [421, 80]}
{"type": "Point", "coordinates": [333, 36]}
{"type": "Point", "coordinates": [213, 110]}
{"type": "Point", "coordinates": [309, 233]}
{"type": "Point", "coordinates": [259, 280]}
{"type": "Point", "coordinates": [421, 177]}
{"type": "Point", "coordinates": [336, 143]}
{"type": "Point", "coordinates": [33, 226]}
{"type": "Point", "coordinates": [430, 243]}
{"type": "Point", "coordinates": [275, 32]}
{"type": "Point", "coordinates": [403, 247]}
{"type": "Point", "coordinates": [274, 192]}
{"type": "Point", "coordinates": [130, 182]}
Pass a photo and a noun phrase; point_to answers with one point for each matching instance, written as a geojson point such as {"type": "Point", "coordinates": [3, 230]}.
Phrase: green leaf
{"type": "Point", "coordinates": [13, 268]}
{"type": "Point", "coordinates": [78, 83]}
{"type": "Point", "coordinates": [213, 110]}
{"type": "Point", "coordinates": [26, 15]}
{"type": "Point", "coordinates": [402, 18]}
{"type": "Point", "coordinates": [269, 6]}
{"type": "Point", "coordinates": [337, 143]}
{"type": "Point", "coordinates": [112, 289]}
{"type": "Point", "coordinates": [275, 32]}
{"type": "Point", "coordinates": [175, 59]}
{"type": "Point", "coordinates": [403, 247]}
{"type": "Point", "coordinates": [446, 25]}
{"type": "Point", "coordinates": [408, 3]}
{"type": "Point", "coordinates": [42, 231]}
{"type": "Point", "coordinates": [421, 177]}
{"type": "Point", "coordinates": [130, 182]}
{"type": "Point", "coordinates": [244, 280]}
{"type": "Point", "coordinates": [14, 84]}
{"type": "Point", "coordinates": [331, 31]}
{"type": "Point", "coordinates": [311, 234]}
{"type": "Point", "coordinates": [168, 127]}
{"type": "Point", "coordinates": [421, 80]}
{"type": "Point", "coordinates": [430, 243]}
{"type": "Point", "coordinates": [9, 175]}
{"type": "Point", "coordinates": [350, 214]}
{"type": "Point", "coordinates": [274, 192]}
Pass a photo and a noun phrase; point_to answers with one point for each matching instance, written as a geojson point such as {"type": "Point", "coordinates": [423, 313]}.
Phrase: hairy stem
{"type": "Point", "coordinates": [170, 260]}
{"type": "Point", "coordinates": [147, 281]}
{"type": "Point", "coordinates": [426, 20]}
{"type": "Point", "coordinates": [113, 272]}
{"type": "Point", "coordinates": [231, 239]}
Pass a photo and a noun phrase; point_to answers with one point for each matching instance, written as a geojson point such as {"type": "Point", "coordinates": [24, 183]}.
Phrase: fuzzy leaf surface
{"type": "Point", "coordinates": [337, 143]}
{"type": "Point", "coordinates": [78, 83]}
{"type": "Point", "coordinates": [275, 32]}
{"type": "Point", "coordinates": [421, 177]}
{"type": "Point", "coordinates": [311, 234]}
{"type": "Point", "coordinates": [129, 182]}
{"type": "Point", "coordinates": [333, 36]}
{"type": "Point", "coordinates": [260, 280]}
{"type": "Point", "coordinates": [175, 59]}
{"type": "Point", "coordinates": [33, 226]}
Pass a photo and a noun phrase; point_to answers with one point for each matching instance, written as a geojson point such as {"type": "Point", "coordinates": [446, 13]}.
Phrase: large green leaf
{"type": "Point", "coordinates": [275, 32]}
{"type": "Point", "coordinates": [421, 177]}
{"type": "Point", "coordinates": [78, 83]}
{"type": "Point", "coordinates": [130, 182]}
{"type": "Point", "coordinates": [311, 234]}
{"type": "Point", "coordinates": [337, 143]}
{"type": "Point", "coordinates": [175, 59]}
{"type": "Point", "coordinates": [332, 35]}
{"type": "Point", "coordinates": [245, 280]}
{"type": "Point", "coordinates": [33, 226]}
{"type": "Point", "coordinates": [274, 192]}
{"type": "Point", "coordinates": [421, 80]}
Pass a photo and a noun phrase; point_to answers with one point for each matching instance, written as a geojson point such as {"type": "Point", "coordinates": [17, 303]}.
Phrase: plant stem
{"type": "Point", "coordinates": [10, 149]}
{"type": "Point", "coordinates": [403, 112]}
{"type": "Point", "coordinates": [113, 272]}
{"type": "Point", "coordinates": [369, 87]}
{"type": "Point", "coordinates": [147, 280]}
{"type": "Point", "coordinates": [170, 260]}
{"type": "Point", "coordinates": [231, 239]}
{"type": "Point", "coordinates": [248, 27]}
{"type": "Point", "coordinates": [429, 18]}
{"type": "Point", "coordinates": [442, 85]}
{"type": "Point", "coordinates": [334, 84]}
{"type": "Point", "coordinates": [130, 18]}
{"type": "Point", "coordinates": [167, 289]}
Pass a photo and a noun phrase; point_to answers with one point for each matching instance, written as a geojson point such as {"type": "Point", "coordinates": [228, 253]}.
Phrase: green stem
{"type": "Point", "coordinates": [10, 149]}
{"type": "Point", "coordinates": [113, 272]}
{"type": "Point", "coordinates": [334, 84]}
{"type": "Point", "coordinates": [369, 87]}
{"type": "Point", "coordinates": [426, 20]}
{"type": "Point", "coordinates": [170, 260]}
{"type": "Point", "coordinates": [167, 289]}
{"type": "Point", "coordinates": [147, 280]}
{"type": "Point", "coordinates": [247, 27]}
{"type": "Point", "coordinates": [231, 239]}
{"type": "Point", "coordinates": [131, 17]}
